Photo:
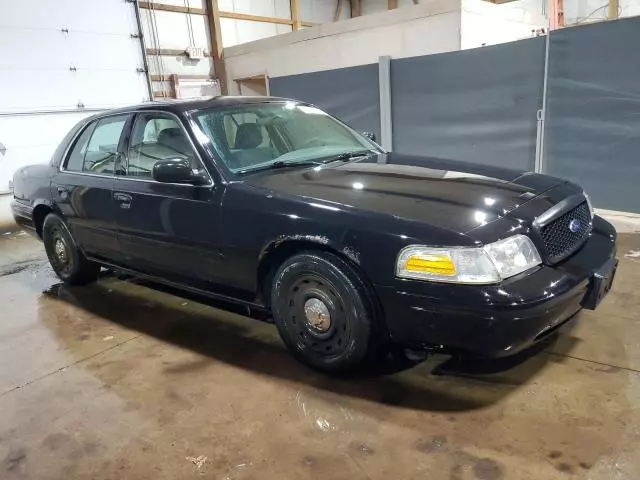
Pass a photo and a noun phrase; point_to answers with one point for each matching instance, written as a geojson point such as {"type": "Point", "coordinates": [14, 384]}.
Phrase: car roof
{"type": "Point", "coordinates": [182, 105]}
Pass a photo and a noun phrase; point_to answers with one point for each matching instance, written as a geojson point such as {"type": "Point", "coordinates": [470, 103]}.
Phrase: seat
{"type": "Point", "coordinates": [247, 152]}
{"type": "Point", "coordinates": [173, 138]}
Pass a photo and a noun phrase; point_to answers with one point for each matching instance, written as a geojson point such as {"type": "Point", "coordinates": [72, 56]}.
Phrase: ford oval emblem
{"type": "Point", "coordinates": [574, 226]}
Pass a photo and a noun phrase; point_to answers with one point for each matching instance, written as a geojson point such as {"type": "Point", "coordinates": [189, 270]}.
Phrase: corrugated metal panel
{"type": "Point", "coordinates": [593, 114]}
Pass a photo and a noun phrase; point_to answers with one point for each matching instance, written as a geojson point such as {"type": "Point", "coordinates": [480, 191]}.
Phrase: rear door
{"type": "Point", "coordinates": [166, 229]}
{"type": "Point", "coordinates": [84, 186]}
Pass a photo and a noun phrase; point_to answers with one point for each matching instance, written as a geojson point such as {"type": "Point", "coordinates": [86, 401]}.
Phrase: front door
{"type": "Point", "coordinates": [83, 188]}
{"type": "Point", "coordinates": [165, 229]}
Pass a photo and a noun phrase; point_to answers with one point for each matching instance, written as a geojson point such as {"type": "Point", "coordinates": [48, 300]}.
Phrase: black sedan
{"type": "Point", "coordinates": [278, 206]}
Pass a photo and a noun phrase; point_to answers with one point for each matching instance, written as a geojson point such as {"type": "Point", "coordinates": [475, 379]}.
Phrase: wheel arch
{"type": "Point", "coordinates": [276, 252]}
{"type": "Point", "coordinates": [41, 209]}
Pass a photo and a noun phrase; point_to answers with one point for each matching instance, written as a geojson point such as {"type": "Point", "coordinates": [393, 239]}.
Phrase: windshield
{"type": "Point", "coordinates": [256, 136]}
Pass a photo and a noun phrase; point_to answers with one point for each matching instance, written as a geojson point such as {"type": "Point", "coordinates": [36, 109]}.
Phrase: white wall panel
{"type": "Point", "coordinates": [32, 139]}
{"type": "Point", "coordinates": [173, 29]}
{"type": "Point", "coordinates": [484, 23]}
{"type": "Point", "coordinates": [180, 3]}
{"type": "Point", "coordinates": [96, 16]}
{"type": "Point", "coordinates": [375, 6]}
{"type": "Point", "coordinates": [36, 56]}
{"type": "Point", "coordinates": [417, 36]}
{"type": "Point", "coordinates": [322, 11]}
{"type": "Point", "coordinates": [235, 31]}
{"type": "Point", "coordinates": [54, 51]}
{"type": "Point", "coordinates": [265, 8]}
{"type": "Point", "coordinates": [182, 65]}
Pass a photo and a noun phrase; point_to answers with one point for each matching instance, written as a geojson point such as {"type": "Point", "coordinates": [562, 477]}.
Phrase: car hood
{"type": "Point", "coordinates": [457, 196]}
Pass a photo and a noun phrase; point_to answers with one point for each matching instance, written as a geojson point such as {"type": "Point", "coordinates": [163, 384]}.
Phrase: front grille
{"type": "Point", "coordinates": [558, 237]}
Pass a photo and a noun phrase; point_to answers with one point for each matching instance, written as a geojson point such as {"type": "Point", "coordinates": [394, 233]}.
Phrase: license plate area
{"type": "Point", "coordinates": [600, 284]}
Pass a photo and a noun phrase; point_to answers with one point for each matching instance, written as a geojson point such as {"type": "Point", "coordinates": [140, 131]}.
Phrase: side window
{"type": "Point", "coordinates": [76, 157]}
{"type": "Point", "coordinates": [156, 136]}
{"type": "Point", "coordinates": [102, 150]}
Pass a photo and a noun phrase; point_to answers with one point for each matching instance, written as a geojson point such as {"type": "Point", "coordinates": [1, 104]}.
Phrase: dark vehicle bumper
{"type": "Point", "coordinates": [23, 215]}
{"type": "Point", "coordinates": [499, 320]}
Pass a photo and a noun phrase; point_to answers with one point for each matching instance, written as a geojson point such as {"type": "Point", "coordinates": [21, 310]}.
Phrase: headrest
{"type": "Point", "coordinates": [248, 135]}
{"type": "Point", "coordinates": [174, 138]}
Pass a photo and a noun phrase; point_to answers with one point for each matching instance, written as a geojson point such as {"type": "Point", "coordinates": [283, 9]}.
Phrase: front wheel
{"type": "Point", "coordinates": [66, 259]}
{"type": "Point", "coordinates": [324, 312]}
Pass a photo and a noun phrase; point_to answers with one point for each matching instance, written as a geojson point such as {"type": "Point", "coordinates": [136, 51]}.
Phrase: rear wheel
{"type": "Point", "coordinates": [324, 312]}
{"type": "Point", "coordinates": [66, 259]}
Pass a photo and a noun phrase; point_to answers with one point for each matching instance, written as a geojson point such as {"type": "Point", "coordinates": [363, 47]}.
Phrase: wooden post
{"type": "Point", "coordinates": [391, 4]}
{"type": "Point", "coordinates": [613, 9]}
{"type": "Point", "coordinates": [175, 85]}
{"type": "Point", "coordinates": [355, 8]}
{"type": "Point", "coordinates": [215, 33]}
{"type": "Point", "coordinates": [557, 14]}
{"type": "Point", "coordinates": [296, 23]}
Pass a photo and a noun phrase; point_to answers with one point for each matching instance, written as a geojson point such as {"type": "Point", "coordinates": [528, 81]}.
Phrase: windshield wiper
{"type": "Point", "coordinates": [284, 164]}
{"type": "Point", "coordinates": [307, 163]}
{"type": "Point", "coordinates": [279, 164]}
{"type": "Point", "coordinates": [321, 160]}
{"type": "Point", "coordinates": [345, 156]}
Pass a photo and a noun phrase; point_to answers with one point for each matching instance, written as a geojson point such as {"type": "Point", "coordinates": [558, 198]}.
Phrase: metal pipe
{"type": "Point", "coordinates": [384, 82]}
{"type": "Point", "coordinates": [540, 160]}
{"type": "Point", "coordinates": [143, 50]}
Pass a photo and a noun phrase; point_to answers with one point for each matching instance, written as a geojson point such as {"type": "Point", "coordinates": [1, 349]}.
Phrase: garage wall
{"type": "Point", "coordinates": [474, 105]}
{"type": "Point", "coordinates": [593, 119]}
{"type": "Point", "coordinates": [167, 35]}
{"type": "Point", "coordinates": [430, 27]}
{"type": "Point", "coordinates": [484, 23]}
{"type": "Point", "coordinates": [351, 94]}
{"type": "Point", "coordinates": [61, 61]}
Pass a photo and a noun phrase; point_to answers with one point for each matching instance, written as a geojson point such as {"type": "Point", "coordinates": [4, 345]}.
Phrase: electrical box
{"type": "Point", "coordinates": [195, 53]}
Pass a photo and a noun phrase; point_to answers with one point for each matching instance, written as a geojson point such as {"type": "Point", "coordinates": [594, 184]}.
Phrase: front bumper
{"type": "Point", "coordinates": [502, 319]}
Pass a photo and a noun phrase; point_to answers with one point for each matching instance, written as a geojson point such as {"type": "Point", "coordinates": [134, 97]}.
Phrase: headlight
{"type": "Point", "coordinates": [589, 204]}
{"type": "Point", "coordinates": [489, 264]}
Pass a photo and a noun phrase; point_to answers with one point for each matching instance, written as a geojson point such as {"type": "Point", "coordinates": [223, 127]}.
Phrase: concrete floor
{"type": "Point", "coordinates": [118, 381]}
{"type": "Point", "coordinates": [6, 218]}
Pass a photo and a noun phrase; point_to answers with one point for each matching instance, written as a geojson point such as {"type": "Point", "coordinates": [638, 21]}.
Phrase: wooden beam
{"type": "Point", "coordinates": [338, 10]}
{"type": "Point", "coordinates": [612, 11]}
{"type": "Point", "coordinates": [557, 14]}
{"type": "Point", "coordinates": [161, 94]}
{"type": "Point", "coordinates": [215, 36]}
{"type": "Point", "coordinates": [294, 6]}
{"type": "Point", "coordinates": [392, 4]}
{"type": "Point", "coordinates": [172, 8]}
{"type": "Point", "coordinates": [255, 18]}
{"type": "Point", "coordinates": [355, 8]}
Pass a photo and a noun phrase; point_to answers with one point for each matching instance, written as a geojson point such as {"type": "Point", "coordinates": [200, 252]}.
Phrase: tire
{"type": "Point", "coordinates": [66, 259]}
{"type": "Point", "coordinates": [324, 312]}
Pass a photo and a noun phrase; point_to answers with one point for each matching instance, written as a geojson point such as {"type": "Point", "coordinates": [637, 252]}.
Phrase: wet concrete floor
{"type": "Point", "coordinates": [119, 381]}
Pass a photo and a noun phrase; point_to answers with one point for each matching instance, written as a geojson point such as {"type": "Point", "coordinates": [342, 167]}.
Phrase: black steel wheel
{"type": "Point", "coordinates": [66, 259]}
{"type": "Point", "coordinates": [324, 312]}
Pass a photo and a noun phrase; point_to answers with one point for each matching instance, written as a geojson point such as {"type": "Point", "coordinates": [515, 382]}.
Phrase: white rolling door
{"type": "Point", "coordinates": [62, 60]}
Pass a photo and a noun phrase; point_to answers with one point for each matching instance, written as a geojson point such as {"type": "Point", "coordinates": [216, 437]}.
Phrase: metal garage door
{"type": "Point", "coordinates": [62, 60]}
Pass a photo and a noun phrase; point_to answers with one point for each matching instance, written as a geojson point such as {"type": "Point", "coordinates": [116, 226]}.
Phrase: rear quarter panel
{"type": "Point", "coordinates": [31, 188]}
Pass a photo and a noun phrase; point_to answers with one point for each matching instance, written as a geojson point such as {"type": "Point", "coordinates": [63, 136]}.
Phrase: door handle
{"type": "Point", "coordinates": [123, 198]}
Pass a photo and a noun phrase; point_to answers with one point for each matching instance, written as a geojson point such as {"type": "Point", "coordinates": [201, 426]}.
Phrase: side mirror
{"type": "Point", "coordinates": [176, 170]}
{"type": "Point", "coordinates": [370, 135]}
